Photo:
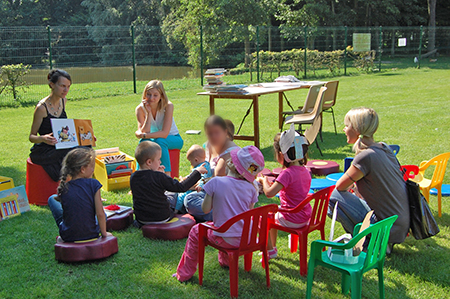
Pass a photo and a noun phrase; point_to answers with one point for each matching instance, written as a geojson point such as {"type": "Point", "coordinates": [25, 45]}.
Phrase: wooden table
{"type": "Point", "coordinates": [252, 93]}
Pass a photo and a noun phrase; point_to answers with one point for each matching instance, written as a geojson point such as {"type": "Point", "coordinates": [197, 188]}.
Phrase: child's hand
{"type": "Point", "coordinates": [107, 235]}
{"type": "Point", "coordinates": [198, 188]}
{"type": "Point", "coordinates": [202, 169]}
{"type": "Point", "coordinates": [260, 179]}
{"type": "Point", "coordinates": [161, 168]}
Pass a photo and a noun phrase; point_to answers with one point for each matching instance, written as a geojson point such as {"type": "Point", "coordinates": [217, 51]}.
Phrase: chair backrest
{"type": "Point", "coordinates": [320, 208]}
{"type": "Point", "coordinates": [380, 231]}
{"type": "Point", "coordinates": [254, 229]}
{"type": "Point", "coordinates": [311, 98]}
{"type": "Point", "coordinates": [312, 132]}
{"type": "Point", "coordinates": [319, 102]}
{"type": "Point", "coordinates": [394, 148]}
{"type": "Point", "coordinates": [440, 163]}
{"type": "Point", "coordinates": [329, 99]}
{"type": "Point", "coordinates": [409, 171]}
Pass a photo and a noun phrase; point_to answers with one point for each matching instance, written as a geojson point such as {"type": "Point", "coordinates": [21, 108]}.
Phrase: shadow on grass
{"type": "Point", "coordinates": [14, 173]}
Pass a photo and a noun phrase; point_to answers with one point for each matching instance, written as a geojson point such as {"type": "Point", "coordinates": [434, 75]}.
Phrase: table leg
{"type": "Point", "coordinates": [211, 105]}
{"type": "Point", "coordinates": [280, 110]}
{"type": "Point", "coordinates": [256, 120]}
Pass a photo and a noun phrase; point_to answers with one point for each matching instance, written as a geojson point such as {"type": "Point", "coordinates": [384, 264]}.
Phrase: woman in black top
{"type": "Point", "coordinates": [44, 152]}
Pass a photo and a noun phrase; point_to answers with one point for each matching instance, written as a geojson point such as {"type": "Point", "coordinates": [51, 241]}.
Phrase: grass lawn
{"type": "Point", "coordinates": [412, 107]}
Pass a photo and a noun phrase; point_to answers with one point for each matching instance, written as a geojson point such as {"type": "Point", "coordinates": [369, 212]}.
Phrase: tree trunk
{"type": "Point", "coordinates": [432, 25]}
{"type": "Point", "coordinates": [247, 50]}
{"type": "Point", "coordinates": [333, 12]}
{"type": "Point", "coordinates": [269, 37]}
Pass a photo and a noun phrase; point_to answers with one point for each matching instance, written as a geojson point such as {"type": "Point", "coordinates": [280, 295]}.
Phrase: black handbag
{"type": "Point", "coordinates": [423, 225]}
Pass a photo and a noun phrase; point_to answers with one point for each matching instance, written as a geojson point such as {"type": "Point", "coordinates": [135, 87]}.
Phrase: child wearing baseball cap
{"type": "Point", "coordinates": [229, 195]}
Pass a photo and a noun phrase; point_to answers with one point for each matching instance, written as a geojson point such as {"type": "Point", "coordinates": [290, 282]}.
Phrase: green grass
{"type": "Point", "coordinates": [412, 107]}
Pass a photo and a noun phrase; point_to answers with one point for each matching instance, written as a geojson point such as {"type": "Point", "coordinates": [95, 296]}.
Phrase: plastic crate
{"type": "Point", "coordinates": [6, 183]}
{"type": "Point", "coordinates": [101, 170]}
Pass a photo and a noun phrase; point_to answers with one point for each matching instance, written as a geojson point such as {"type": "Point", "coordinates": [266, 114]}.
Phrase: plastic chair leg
{"type": "Point", "coordinates": [294, 243]}
{"type": "Point", "coordinates": [356, 285]}
{"type": "Point", "coordinates": [439, 188]}
{"type": "Point", "coordinates": [310, 279]}
{"type": "Point", "coordinates": [322, 236]}
{"type": "Point", "coordinates": [426, 194]}
{"type": "Point", "coordinates": [248, 261]}
{"type": "Point", "coordinates": [234, 275]}
{"type": "Point", "coordinates": [334, 121]}
{"type": "Point", "coordinates": [266, 267]}
{"type": "Point", "coordinates": [381, 282]}
{"type": "Point", "coordinates": [345, 284]}
{"type": "Point", "coordinates": [303, 253]}
{"type": "Point", "coordinates": [201, 258]}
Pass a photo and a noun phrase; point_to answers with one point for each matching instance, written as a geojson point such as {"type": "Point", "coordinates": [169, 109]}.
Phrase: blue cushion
{"type": "Point", "coordinates": [445, 190]}
{"type": "Point", "coordinates": [319, 184]}
{"type": "Point", "coordinates": [335, 176]}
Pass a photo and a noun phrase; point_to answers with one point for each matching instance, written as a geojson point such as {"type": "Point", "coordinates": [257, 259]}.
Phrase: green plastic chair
{"type": "Point", "coordinates": [352, 273]}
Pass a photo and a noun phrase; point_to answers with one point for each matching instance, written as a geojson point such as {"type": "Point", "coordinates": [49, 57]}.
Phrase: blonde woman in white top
{"type": "Point", "coordinates": [155, 121]}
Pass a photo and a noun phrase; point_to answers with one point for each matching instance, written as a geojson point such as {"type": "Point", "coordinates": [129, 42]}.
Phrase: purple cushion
{"type": "Point", "coordinates": [176, 229]}
{"type": "Point", "coordinates": [80, 252]}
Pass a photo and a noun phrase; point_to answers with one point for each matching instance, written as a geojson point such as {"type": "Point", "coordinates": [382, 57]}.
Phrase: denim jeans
{"type": "Point", "coordinates": [351, 209]}
{"type": "Point", "coordinates": [56, 208]}
{"type": "Point", "coordinates": [193, 204]}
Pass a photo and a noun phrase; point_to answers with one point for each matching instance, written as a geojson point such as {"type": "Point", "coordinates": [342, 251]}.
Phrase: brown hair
{"type": "Point", "coordinates": [156, 84]}
{"type": "Point", "coordinates": [72, 164]}
{"type": "Point", "coordinates": [146, 150]}
{"type": "Point", "coordinates": [216, 120]}
{"type": "Point", "coordinates": [54, 75]}
{"type": "Point", "coordinates": [291, 152]}
{"type": "Point", "coordinates": [230, 129]}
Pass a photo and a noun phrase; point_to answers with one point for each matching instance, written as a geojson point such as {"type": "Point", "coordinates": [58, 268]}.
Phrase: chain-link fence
{"type": "Point", "coordinates": [131, 55]}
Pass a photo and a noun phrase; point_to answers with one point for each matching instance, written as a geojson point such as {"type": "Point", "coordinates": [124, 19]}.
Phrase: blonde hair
{"type": "Point", "coordinates": [146, 150]}
{"type": "Point", "coordinates": [195, 151]}
{"type": "Point", "coordinates": [72, 164]}
{"type": "Point", "coordinates": [365, 122]}
{"type": "Point", "coordinates": [156, 84]}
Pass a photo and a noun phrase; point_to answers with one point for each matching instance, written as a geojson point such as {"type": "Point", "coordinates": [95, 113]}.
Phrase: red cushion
{"type": "Point", "coordinates": [119, 221]}
{"type": "Point", "coordinates": [80, 252]}
{"type": "Point", "coordinates": [39, 185]}
{"type": "Point", "coordinates": [321, 167]}
{"type": "Point", "coordinates": [176, 229]}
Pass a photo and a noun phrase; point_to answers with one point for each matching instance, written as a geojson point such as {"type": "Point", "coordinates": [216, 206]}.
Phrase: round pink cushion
{"type": "Point", "coordinates": [176, 229]}
{"type": "Point", "coordinates": [119, 221]}
{"type": "Point", "coordinates": [321, 167]}
{"type": "Point", "coordinates": [80, 252]}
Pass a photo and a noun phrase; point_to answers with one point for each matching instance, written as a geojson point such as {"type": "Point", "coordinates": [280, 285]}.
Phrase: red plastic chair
{"type": "Point", "coordinates": [409, 171]}
{"type": "Point", "coordinates": [254, 238]}
{"type": "Point", "coordinates": [317, 222]}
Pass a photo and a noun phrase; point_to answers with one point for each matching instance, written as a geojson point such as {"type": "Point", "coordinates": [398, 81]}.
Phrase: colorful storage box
{"type": "Point", "coordinates": [6, 183]}
{"type": "Point", "coordinates": [113, 176]}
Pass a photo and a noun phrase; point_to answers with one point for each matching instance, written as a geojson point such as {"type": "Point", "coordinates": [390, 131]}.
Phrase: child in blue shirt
{"type": "Point", "coordinates": [196, 155]}
{"type": "Point", "coordinates": [78, 208]}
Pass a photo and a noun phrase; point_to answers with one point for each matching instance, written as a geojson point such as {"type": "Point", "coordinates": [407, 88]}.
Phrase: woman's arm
{"type": "Point", "coordinates": [221, 168]}
{"type": "Point", "coordinates": [207, 204]}
{"type": "Point", "coordinates": [271, 191]}
{"type": "Point", "coordinates": [101, 217]}
{"type": "Point", "coordinates": [39, 115]}
{"type": "Point", "coordinates": [167, 125]}
{"type": "Point", "coordinates": [143, 121]}
{"type": "Point", "coordinates": [352, 175]}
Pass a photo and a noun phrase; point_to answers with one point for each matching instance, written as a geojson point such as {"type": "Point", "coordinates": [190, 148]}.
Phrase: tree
{"type": "Point", "coordinates": [224, 22]}
{"type": "Point", "coordinates": [12, 78]}
{"type": "Point", "coordinates": [432, 25]}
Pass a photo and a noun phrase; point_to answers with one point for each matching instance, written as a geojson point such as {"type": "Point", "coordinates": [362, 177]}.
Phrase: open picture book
{"type": "Point", "coordinates": [72, 132]}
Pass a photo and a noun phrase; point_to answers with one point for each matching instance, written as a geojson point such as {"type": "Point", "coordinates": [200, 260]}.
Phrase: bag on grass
{"type": "Point", "coordinates": [423, 225]}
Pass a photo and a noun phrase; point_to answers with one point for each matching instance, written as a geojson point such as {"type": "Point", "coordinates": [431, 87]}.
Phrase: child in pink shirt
{"type": "Point", "coordinates": [293, 183]}
{"type": "Point", "coordinates": [229, 195]}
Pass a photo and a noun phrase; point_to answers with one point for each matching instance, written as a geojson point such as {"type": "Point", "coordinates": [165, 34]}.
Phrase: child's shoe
{"type": "Point", "coordinates": [271, 254]}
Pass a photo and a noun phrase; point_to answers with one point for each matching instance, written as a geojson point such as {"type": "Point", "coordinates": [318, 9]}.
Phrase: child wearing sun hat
{"type": "Point", "coordinates": [229, 195]}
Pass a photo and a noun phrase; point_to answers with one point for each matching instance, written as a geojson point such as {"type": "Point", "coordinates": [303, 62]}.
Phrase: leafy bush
{"type": "Point", "coordinates": [363, 61]}
{"type": "Point", "coordinates": [12, 78]}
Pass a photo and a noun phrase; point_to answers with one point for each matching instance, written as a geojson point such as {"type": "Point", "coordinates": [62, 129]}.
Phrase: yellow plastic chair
{"type": "Point", "coordinates": [329, 99]}
{"type": "Point", "coordinates": [440, 164]}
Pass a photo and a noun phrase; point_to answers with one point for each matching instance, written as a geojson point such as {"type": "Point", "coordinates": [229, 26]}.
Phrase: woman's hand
{"type": "Point", "coordinates": [139, 134]}
{"type": "Point", "coordinates": [146, 106]}
{"type": "Point", "coordinates": [49, 139]}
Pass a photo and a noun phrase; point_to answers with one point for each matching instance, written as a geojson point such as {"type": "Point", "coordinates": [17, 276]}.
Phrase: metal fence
{"type": "Point", "coordinates": [128, 55]}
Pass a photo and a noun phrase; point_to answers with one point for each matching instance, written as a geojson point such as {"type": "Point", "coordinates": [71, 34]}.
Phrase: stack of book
{"type": "Point", "coordinates": [213, 78]}
{"type": "Point", "coordinates": [287, 79]}
{"type": "Point", "coordinates": [235, 89]}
